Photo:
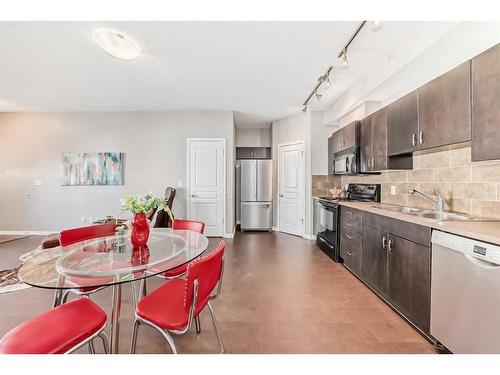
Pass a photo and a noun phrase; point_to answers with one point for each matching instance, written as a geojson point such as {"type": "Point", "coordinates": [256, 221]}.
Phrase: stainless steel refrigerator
{"type": "Point", "coordinates": [256, 186]}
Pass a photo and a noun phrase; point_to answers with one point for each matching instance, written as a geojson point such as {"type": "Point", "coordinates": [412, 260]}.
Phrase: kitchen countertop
{"type": "Point", "coordinates": [487, 231]}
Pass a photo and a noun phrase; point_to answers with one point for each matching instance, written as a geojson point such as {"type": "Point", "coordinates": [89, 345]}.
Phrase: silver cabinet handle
{"type": "Point", "coordinates": [348, 212]}
{"type": "Point", "coordinates": [421, 138]}
{"type": "Point", "coordinates": [348, 236]}
{"type": "Point", "coordinates": [414, 139]}
{"type": "Point", "coordinates": [348, 224]}
{"type": "Point", "coordinates": [384, 242]}
{"type": "Point", "coordinates": [389, 246]}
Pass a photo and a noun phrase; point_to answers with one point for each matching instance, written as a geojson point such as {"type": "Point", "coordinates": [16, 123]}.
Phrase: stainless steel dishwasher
{"type": "Point", "coordinates": [465, 294]}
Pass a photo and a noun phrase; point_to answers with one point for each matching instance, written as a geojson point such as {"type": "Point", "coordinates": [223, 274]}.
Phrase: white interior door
{"type": "Point", "coordinates": [291, 188]}
{"type": "Point", "coordinates": [206, 184]}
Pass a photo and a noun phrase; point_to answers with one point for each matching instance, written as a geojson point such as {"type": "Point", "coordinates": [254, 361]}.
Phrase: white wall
{"type": "Point", "coordinates": [286, 130]}
{"type": "Point", "coordinates": [319, 143]}
{"type": "Point", "coordinates": [465, 41]}
{"type": "Point", "coordinates": [154, 144]}
{"type": "Point", "coordinates": [248, 137]}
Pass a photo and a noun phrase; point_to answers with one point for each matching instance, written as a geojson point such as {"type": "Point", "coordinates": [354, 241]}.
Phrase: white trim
{"type": "Point", "coordinates": [275, 229]}
{"type": "Point", "coordinates": [26, 232]}
{"type": "Point", "coordinates": [303, 143]}
{"type": "Point", "coordinates": [230, 235]}
{"type": "Point", "coordinates": [188, 185]}
{"type": "Point", "coordinates": [309, 237]}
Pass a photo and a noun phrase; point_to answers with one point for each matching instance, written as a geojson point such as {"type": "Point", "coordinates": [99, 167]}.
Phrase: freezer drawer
{"type": "Point", "coordinates": [256, 215]}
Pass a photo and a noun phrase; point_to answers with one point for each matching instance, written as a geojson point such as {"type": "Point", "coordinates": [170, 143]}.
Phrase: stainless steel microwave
{"type": "Point", "coordinates": [346, 162]}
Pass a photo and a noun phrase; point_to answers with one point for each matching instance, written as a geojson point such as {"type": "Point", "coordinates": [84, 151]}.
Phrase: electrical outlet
{"type": "Point", "coordinates": [38, 183]}
{"type": "Point", "coordinates": [393, 190]}
{"type": "Point", "coordinates": [180, 183]}
{"type": "Point", "coordinates": [82, 219]}
{"type": "Point", "coordinates": [90, 220]}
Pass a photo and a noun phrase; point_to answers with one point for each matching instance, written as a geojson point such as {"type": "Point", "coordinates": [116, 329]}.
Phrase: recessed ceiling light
{"type": "Point", "coordinates": [376, 25]}
{"type": "Point", "coordinates": [117, 44]}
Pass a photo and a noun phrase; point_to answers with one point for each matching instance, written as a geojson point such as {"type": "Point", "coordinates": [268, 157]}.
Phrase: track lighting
{"type": "Point", "coordinates": [344, 62]}
{"type": "Point", "coordinates": [322, 80]}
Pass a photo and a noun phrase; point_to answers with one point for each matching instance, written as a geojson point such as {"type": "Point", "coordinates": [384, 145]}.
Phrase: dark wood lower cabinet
{"type": "Point", "coordinates": [409, 288]}
{"type": "Point", "coordinates": [397, 268]}
{"type": "Point", "coordinates": [374, 261]}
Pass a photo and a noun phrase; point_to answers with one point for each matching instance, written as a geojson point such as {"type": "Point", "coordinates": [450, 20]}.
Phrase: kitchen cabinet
{"type": "Point", "coordinates": [444, 109]}
{"type": "Point", "coordinates": [395, 261]}
{"type": "Point", "coordinates": [485, 105]}
{"type": "Point", "coordinates": [330, 154]}
{"type": "Point", "coordinates": [253, 152]}
{"type": "Point", "coordinates": [409, 285]}
{"type": "Point", "coordinates": [351, 238]}
{"type": "Point", "coordinates": [374, 261]}
{"type": "Point", "coordinates": [373, 142]}
{"type": "Point", "coordinates": [402, 125]}
{"type": "Point", "coordinates": [346, 137]}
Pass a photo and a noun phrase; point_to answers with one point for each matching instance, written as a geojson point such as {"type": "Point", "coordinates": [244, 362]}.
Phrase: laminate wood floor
{"type": "Point", "coordinates": [280, 294]}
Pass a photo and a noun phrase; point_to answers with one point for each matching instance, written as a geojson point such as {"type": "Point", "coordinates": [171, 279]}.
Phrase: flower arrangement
{"type": "Point", "coordinates": [144, 204]}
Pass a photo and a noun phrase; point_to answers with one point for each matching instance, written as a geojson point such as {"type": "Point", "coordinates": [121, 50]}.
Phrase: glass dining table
{"type": "Point", "coordinates": [111, 261]}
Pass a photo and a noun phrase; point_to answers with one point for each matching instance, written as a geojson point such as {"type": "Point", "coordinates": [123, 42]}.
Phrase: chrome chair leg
{"type": "Point", "coordinates": [197, 324]}
{"type": "Point", "coordinates": [105, 344]}
{"type": "Point", "coordinates": [65, 296]}
{"type": "Point", "coordinates": [134, 336]}
{"type": "Point", "coordinates": [222, 350]}
{"type": "Point", "coordinates": [169, 339]}
{"type": "Point", "coordinates": [91, 347]}
{"type": "Point", "coordinates": [134, 293]}
{"type": "Point", "coordinates": [144, 288]}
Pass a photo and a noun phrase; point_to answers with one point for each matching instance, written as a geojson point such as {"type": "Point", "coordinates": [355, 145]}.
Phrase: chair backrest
{"type": "Point", "coordinates": [162, 218]}
{"type": "Point", "coordinates": [70, 236]}
{"type": "Point", "coordinates": [195, 226]}
{"type": "Point", "coordinates": [208, 271]}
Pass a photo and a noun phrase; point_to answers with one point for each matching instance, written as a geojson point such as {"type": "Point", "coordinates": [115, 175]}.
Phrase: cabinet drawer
{"type": "Point", "coordinates": [351, 215]}
{"type": "Point", "coordinates": [351, 240]}
{"type": "Point", "coordinates": [352, 258]}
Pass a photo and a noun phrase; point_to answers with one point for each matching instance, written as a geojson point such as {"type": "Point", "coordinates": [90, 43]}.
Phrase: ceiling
{"type": "Point", "coordinates": [260, 70]}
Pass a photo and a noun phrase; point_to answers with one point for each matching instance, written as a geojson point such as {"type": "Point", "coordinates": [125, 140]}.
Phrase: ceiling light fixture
{"type": "Point", "coordinates": [344, 62]}
{"type": "Point", "coordinates": [117, 44]}
{"type": "Point", "coordinates": [322, 80]}
{"type": "Point", "coordinates": [376, 25]}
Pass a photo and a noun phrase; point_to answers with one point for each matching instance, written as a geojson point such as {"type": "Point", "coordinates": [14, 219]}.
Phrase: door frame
{"type": "Point", "coordinates": [188, 170]}
{"type": "Point", "coordinates": [303, 161]}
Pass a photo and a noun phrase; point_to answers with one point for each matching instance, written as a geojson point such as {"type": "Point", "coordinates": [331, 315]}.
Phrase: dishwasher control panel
{"type": "Point", "coordinates": [468, 246]}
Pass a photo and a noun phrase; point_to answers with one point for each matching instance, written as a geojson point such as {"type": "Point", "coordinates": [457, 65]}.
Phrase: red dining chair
{"type": "Point", "coordinates": [172, 307]}
{"type": "Point", "coordinates": [61, 330]}
{"type": "Point", "coordinates": [71, 236]}
{"type": "Point", "coordinates": [180, 224]}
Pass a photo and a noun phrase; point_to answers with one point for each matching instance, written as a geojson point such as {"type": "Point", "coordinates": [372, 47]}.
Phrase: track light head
{"type": "Point", "coordinates": [318, 96]}
{"type": "Point", "coordinates": [304, 109]}
{"type": "Point", "coordinates": [344, 63]}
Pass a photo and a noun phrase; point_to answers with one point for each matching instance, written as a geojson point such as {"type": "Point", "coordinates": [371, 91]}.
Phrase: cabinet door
{"type": "Point", "coordinates": [379, 140]}
{"type": "Point", "coordinates": [374, 260]}
{"type": "Point", "coordinates": [350, 135]}
{"type": "Point", "coordinates": [365, 143]}
{"type": "Point", "coordinates": [402, 125]}
{"type": "Point", "coordinates": [330, 155]}
{"type": "Point", "coordinates": [337, 141]}
{"type": "Point", "coordinates": [444, 109]}
{"type": "Point", "coordinates": [409, 280]}
{"type": "Point", "coordinates": [485, 105]}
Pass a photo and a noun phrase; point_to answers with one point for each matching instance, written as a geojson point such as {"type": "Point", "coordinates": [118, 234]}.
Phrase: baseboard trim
{"type": "Point", "coordinates": [275, 229]}
{"type": "Point", "coordinates": [309, 237]}
{"type": "Point", "coordinates": [25, 232]}
{"type": "Point", "coordinates": [230, 235]}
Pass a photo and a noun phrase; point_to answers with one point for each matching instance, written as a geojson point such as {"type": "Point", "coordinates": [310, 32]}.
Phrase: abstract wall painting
{"type": "Point", "coordinates": [97, 168]}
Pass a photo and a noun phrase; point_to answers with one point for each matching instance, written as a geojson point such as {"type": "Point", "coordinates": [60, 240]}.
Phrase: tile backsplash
{"type": "Point", "coordinates": [472, 188]}
{"type": "Point", "coordinates": [321, 185]}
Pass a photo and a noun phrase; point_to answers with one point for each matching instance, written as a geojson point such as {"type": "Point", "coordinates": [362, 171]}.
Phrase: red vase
{"type": "Point", "coordinates": [140, 230]}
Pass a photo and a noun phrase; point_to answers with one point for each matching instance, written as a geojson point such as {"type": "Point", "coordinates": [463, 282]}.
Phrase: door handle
{"type": "Point", "coordinates": [421, 138]}
{"type": "Point", "coordinates": [194, 195]}
{"type": "Point", "coordinates": [384, 242]}
{"type": "Point", "coordinates": [389, 246]}
{"type": "Point", "coordinates": [281, 195]}
{"type": "Point", "coordinates": [414, 139]}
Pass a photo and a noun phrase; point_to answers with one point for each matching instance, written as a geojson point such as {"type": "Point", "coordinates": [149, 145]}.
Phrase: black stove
{"type": "Point", "coordinates": [327, 216]}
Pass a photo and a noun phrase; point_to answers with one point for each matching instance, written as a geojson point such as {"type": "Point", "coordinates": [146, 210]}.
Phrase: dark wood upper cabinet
{"type": "Point", "coordinates": [346, 137]}
{"type": "Point", "coordinates": [409, 287]}
{"type": "Point", "coordinates": [365, 143]}
{"type": "Point", "coordinates": [379, 140]}
{"type": "Point", "coordinates": [402, 125]}
{"type": "Point", "coordinates": [486, 105]}
{"type": "Point", "coordinates": [253, 152]}
{"type": "Point", "coordinates": [444, 109]}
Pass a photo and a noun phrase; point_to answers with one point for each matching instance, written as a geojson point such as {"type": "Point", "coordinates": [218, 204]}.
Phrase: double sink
{"type": "Point", "coordinates": [427, 214]}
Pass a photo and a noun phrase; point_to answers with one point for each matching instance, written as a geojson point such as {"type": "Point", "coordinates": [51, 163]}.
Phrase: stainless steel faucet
{"type": "Point", "coordinates": [438, 202]}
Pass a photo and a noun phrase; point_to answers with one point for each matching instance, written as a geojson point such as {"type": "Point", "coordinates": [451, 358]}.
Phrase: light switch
{"type": "Point", "coordinates": [393, 190]}
{"type": "Point", "coordinates": [38, 183]}
{"type": "Point", "coordinates": [180, 183]}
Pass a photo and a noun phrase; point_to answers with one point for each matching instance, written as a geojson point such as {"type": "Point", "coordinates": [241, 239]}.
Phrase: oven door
{"type": "Point", "coordinates": [326, 221]}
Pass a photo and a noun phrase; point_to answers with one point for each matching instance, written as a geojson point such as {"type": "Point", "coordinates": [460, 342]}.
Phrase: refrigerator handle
{"type": "Point", "coordinates": [256, 179]}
